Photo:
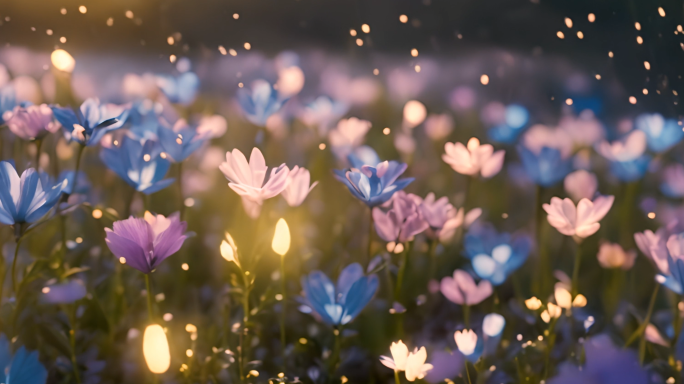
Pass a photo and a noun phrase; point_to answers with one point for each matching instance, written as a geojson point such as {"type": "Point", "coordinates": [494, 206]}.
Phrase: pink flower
{"type": "Point", "coordinates": [461, 289]}
{"type": "Point", "coordinates": [474, 158]}
{"type": "Point", "coordinates": [581, 221]}
{"type": "Point", "coordinates": [654, 246]}
{"type": "Point", "coordinates": [627, 149]}
{"type": "Point", "coordinates": [211, 127]}
{"type": "Point", "coordinates": [613, 256]}
{"type": "Point", "coordinates": [348, 135]}
{"type": "Point", "coordinates": [297, 186]}
{"type": "Point", "coordinates": [247, 179]}
{"type": "Point", "coordinates": [443, 217]}
{"type": "Point", "coordinates": [581, 185]}
{"type": "Point", "coordinates": [402, 222]}
{"type": "Point", "coordinates": [437, 127]}
{"type": "Point", "coordinates": [32, 122]}
{"type": "Point", "coordinates": [540, 136]}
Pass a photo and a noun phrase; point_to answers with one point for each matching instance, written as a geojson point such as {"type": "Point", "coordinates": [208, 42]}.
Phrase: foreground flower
{"type": "Point", "coordinates": [402, 222]}
{"type": "Point", "coordinates": [22, 368]}
{"type": "Point", "coordinates": [661, 134]}
{"type": "Point", "coordinates": [374, 185]}
{"type": "Point", "coordinates": [495, 256]}
{"type": "Point", "coordinates": [143, 243]}
{"type": "Point", "coordinates": [415, 365]}
{"type": "Point", "coordinates": [27, 198]}
{"type": "Point", "coordinates": [400, 354]}
{"type": "Point", "coordinates": [461, 288]}
{"type": "Point", "coordinates": [474, 158]}
{"type": "Point", "coordinates": [545, 168]}
{"type": "Point", "coordinates": [138, 163]}
{"type": "Point", "coordinates": [614, 256]}
{"type": "Point", "coordinates": [32, 122]}
{"type": "Point", "coordinates": [338, 305]}
{"type": "Point", "coordinates": [247, 178]}
{"type": "Point", "coordinates": [443, 218]}
{"type": "Point", "coordinates": [581, 185]}
{"type": "Point", "coordinates": [581, 221]}
{"type": "Point", "coordinates": [88, 124]}
{"type": "Point", "coordinates": [260, 102]}
{"type": "Point", "coordinates": [298, 187]}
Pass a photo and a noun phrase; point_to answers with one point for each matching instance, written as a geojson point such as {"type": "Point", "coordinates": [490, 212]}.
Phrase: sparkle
{"type": "Point", "coordinates": [598, 77]}
{"type": "Point", "coordinates": [62, 40]}
{"type": "Point", "coordinates": [651, 215]}
{"type": "Point", "coordinates": [129, 14]}
{"type": "Point", "coordinates": [580, 35]}
{"type": "Point", "coordinates": [568, 22]}
{"type": "Point", "coordinates": [560, 35]}
{"type": "Point", "coordinates": [146, 157]}
{"type": "Point", "coordinates": [610, 54]}
{"type": "Point", "coordinates": [640, 40]}
{"type": "Point", "coordinates": [236, 16]}
{"type": "Point", "coordinates": [46, 290]}
{"type": "Point", "coordinates": [632, 100]}
{"type": "Point", "coordinates": [414, 52]}
{"type": "Point", "coordinates": [189, 202]}
{"type": "Point", "coordinates": [189, 353]}
{"type": "Point", "coordinates": [359, 42]}
{"type": "Point", "coordinates": [417, 68]}
{"type": "Point", "coordinates": [97, 213]}
{"type": "Point", "coordinates": [661, 11]}
{"type": "Point", "coordinates": [63, 11]}
{"type": "Point", "coordinates": [172, 58]}
{"type": "Point", "coordinates": [645, 91]}
{"type": "Point", "coordinates": [110, 21]}
{"type": "Point", "coordinates": [170, 40]}
{"type": "Point", "coordinates": [49, 32]}
{"type": "Point", "coordinates": [321, 146]}
{"type": "Point", "coordinates": [185, 266]}
{"type": "Point", "coordinates": [122, 260]}
{"type": "Point", "coordinates": [222, 50]}
{"type": "Point", "coordinates": [591, 17]}
{"type": "Point", "coordinates": [278, 297]}
{"type": "Point", "coordinates": [647, 65]}
{"type": "Point", "coordinates": [82, 9]}
{"type": "Point", "coordinates": [386, 131]}
{"type": "Point", "coordinates": [376, 71]}
{"type": "Point", "coordinates": [352, 32]}
{"type": "Point", "coordinates": [637, 26]}
{"type": "Point", "coordinates": [232, 52]}
{"type": "Point", "coordinates": [403, 19]}
{"type": "Point", "coordinates": [568, 101]}
{"type": "Point", "coordinates": [248, 46]}
{"type": "Point", "coordinates": [365, 28]}
{"type": "Point", "coordinates": [484, 79]}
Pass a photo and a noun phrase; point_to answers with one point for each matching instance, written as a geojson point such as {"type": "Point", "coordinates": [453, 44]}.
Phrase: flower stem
{"type": "Point", "coordinates": [396, 377]}
{"type": "Point", "coordinates": [72, 342]}
{"type": "Point", "coordinates": [14, 265]}
{"type": "Point", "coordinates": [466, 315]}
{"type": "Point", "coordinates": [575, 270]}
{"type": "Point", "coordinates": [543, 272]}
{"type": "Point", "coordinates": [335, 357]}
{"type": "Point", "coordinates": [432, 254]}
{"type": "Point", "coordinates": [647, 320]}
{"type": "Point", "coordinates": [150, 313]}
{"type": "Point", "coordinates": [402, 272]}
{"type": "Point", "coordinates": [551, 341]}
{"type": "Point", "coordinates": [467, 372]}
{"type": "Point", "coordinates": [81, 148]}
{"type": "Point", "coordinates": [180, 189]}
{"type": "Point", "coordinates": [283, 342]}
{"type": "Point", "coordinates": [245, 319]}
{"type": "Point", "coordinates": [39, 143]}
{"type": "Point", "coordinates": [370, 236]}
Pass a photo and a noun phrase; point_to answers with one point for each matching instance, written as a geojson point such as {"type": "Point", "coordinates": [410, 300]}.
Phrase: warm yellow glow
{"type": "Point", "coordinates": [580, 301]}
{"type": "Point", "coordinates": [365, 28]}
{"type": "Point", "coordinates": [568, 22]}
{"type": "Point", "coordinates": [647, 65]}
{"type": "Point", "coordinates": [560, 35]}
{"type": "Point", "coordinates": [62, 60]}
{"type": "Point", "coordinates": [414, 113]}
{"type": "Point", "coordinates": [661, 11]}
{"type": "Point", "coordinates": [156, 349]}
{"type": "Point", "coordinates": [281, 238]}
{"type": "Point", "coordinates": [632, 100]}
{"type": "Point", "coordinates": [591, 17]}
{"type": "Point", "coordinates": [484, 79]}
{"type": "Point", "coordinates": [533, 303]}
{"type": "Point", "coordinates": [403, 19]}
{"type": "Point", "coordinates": [563, 297]}
{"type": "Point", "coordinates": [97, 213]}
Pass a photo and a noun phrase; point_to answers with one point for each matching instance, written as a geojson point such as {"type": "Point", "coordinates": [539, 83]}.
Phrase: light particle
{"type": "Point", "coordinates": [62, 40]}
{"type": "Point", "coordinates": [640, 40]}
{"type": "Point", "coordinates": [598, 77]}
{"type": "Point", "coordinates": [647, 65]}
{"type": "Point", "coordinates": [189, 202]}
{"type": "Point", "coordinates": [129, 14]}
{"type": "Point", "coordinates": [49, 32]}
{"type": "Point", "coordinates": [172, 58]}
{"type": "Point", "coordinates": [568, 22]}
{"type": "Point", "coordinates": [386, 131]}
{"type": "Point", "coordinates": [110, 21]}
{"type": "Point", "coordinates": [376, 71]}
{"type": "Point", "coordinates": [610, 54]}
{"type": "Point", "coordinates": [591, 17]}
{"type": "Point", "coordinates": [417, 68]}
{"type": "Point", "coordinates": [248, 46]}
{"type": "Point", "coordinates": [359, 42]}
{"type": "Point", "coordinates": [185, 266]}
{"type": "Point", "coordinates": [484, 79]}
{"type": "Point", "coordinates": [637, 25]}
{"type": "Point", "coordinates": [560, 35]}
{"type": "Point", "coordinates": [661, 11]}
{"type": "Point", "coordinates": [222, 50]}
{"type": "Point", "coordinates": [82, 9]}
{"type": "Point", "coordinates": [122, 260]}
{"type": "Point", "coordinates": [63, 11]}
{"type": "Point", "coordinates": [46, 290]}
{"type": "Point", "coordinates": [632, 100]}
{"type": "Point", "coordinates": [365, 28]}
{"type": "Point", "coordinates": [403, 19]}
{"type": "Point", "coordinates": [352, 32]}
{"type": "Point", "coordinates": [645, 91]}
{"type": "Point", "coordinates": [170, 40]}
{"type": "Point", "coordinates": [414, 52]}
{"type": "Point", "coordinates": [232, 52]}
{"type": "Point", "coordinates": [580, 35]}
{"type": "Point", "coordinates": [321, 146]}
{"type": "Point", "coordinates": [651, 215]}
{"type": "Point", "coordinates": [236, 16]}
{"type": "Point", "coordinates": [97, 213]}
{"type": "Point", "coordinates": [568, 101]}
{"type": "Point", "coordinates": [278, 297]}
{"type": "Point", "coordinates": [189, 353]}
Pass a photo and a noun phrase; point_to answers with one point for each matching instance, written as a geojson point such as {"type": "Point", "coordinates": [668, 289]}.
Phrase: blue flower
{"type": "Point", "coordinates": [180, 141]}
{"type": "Point", "coordinates": [181, 89]}
{"type": "Point", "coordinates": [338, 305]}
{"type": "Point", "coordinates": [82, 186]}
{"type": "Point", "coordinates": [144, 120]}
{"type": "Point", "coordinates": [26, 199]}
{"type": "Point", "coordinates": [547, 168]}
{"type": "Point", "coordinates": [259, 103]}
{"type": "Point", "coordinates": [7, 101]}
{"type": "Point", "coordinates": [503, 134]}
{"type": "Point", "coordinates": [630, 170]}
{"type": "Point", "coordinates": [374, 185]}
{"type": "Point", "coordinates": [22, 368]}
{"type": "Point", "coordinates": [91, 121]}
{"type": "Point", "coordinates": [495, 255]}
{"type": "Point", "coordinates": [661, 134]}
{"type": "Point", "coordinates": [363, 155]}
{"type": "Point", "coordinates": [139, 163]}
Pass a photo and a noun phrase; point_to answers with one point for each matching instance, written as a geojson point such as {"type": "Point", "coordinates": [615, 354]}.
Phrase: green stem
{"type": "Point", "coordinates": [575, 270]}
{"type": "Point", "coordinates": [180, 189]}
{"type": "Point", "coordinates": [150, 312]}
{"type": "Point", "coordinates": [14, 265]}
{"type": "Point", "coordinates": [81, 148]}
{"type": "Point", "coordinates": [245, 319]}
{"type": "Point", "coordinates": [647, 320]}
{"type": "Point", "coordinates": [335, 357]}
{"type": "Point", "coordinates": [432, 254]}
{"type": "Point", "coordinates": [283, 343]}
{"type": "Point", "coordinates": [543, 272]}
{"type": "Point", "coordinates": [466, 315]}
{"type": "Point", "coordinates": [551, 341]}
{"type": "Point", "coordinates": [401, 273]}
{"type": "Point", "coordinates": [396, 377]}
{"type": "Point", "coordinates": [72, 342]}
{"type": "Point", "coordinates": [467, 372]}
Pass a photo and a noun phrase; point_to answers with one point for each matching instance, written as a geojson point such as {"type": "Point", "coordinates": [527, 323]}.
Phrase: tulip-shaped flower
{"type": "Point", "coordinates": [654, 245]}
{"type": "Point", "coordinates": [88, 124]}
{"type": "Point", "coordinates": [661, 134]}
{"type": "Point", "coordinates": [27, 198]}
{"type": "Point", "coordinates": [247, 178]}
{"type": "Point", "coordinates": [298, 187]}
{"type": "Point", "coordinates": [138, 163]}
{"type": "Point", "coordinates": [495, 256]}
{"type": "Point", "coordinates": [666, 250]}
{"type": "Point", "coordinates": [32, 122]}
{"type": "Point", "coordinates": [469, 344]}
{"type": "Point", "coordinates": [461, 289]}
{"type": "Point", "coordinates": [581, 221]}
{"type": "Point", "coordinates": [627, 159]}
{"type": "Point", "coordinates": [144, 243]}
{"type": "Point", "coordinates": [374, 185]}
{"type": "Point", "coordinates": [338, 305]}
{"type": "Point", "coordinates": [443, 218]}
{"type": "Point", "coordinates": [581, 185]}
{"type": "Point", "coordinates": [545, 168]}
{"type": "Point", "coordinates": [402, 222]}
{"type": "Point", "coordinates": [413, 363]}
{"type": "Point", "coordinates": [179, 141]}
{"type": "Point", "coordinates": [260, 102]}
{"type": "Point", "coordinates": [474, 158]}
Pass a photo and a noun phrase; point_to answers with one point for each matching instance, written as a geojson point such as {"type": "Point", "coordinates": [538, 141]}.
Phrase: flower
{"type": "Point", "coordinates": [474, 158]}
{"type": "Point", "coordinates": [229, 250]}
{"type": "Point", "coordinates": [438, 127]}
{"type": "Point", "coordinates": [540, 136]}
{"type": "Point", "coordinates": [466, 341]}
{"type": "Point", "coordinates": [64, 293]}
{"type": "Point", "coordinates": [402, 222]}
{"type": "Point", "coordinates": [26, 199]}
{"type": "Point", "coordinates": [259, 103]}
{"type": "Point", "coordinates": [322, 112]}
{"type": "Point", "coordinates": [211, 127]}
{"type": "Point", "coordinates": [348, 135]}
{"type": "Point", "coordinates": [654, 245]}
{"type": "Point", "coordinates": [182, 89]}
{"type": "Point", "coordinates": [613, 256]}
{"type": "Point", "coordinates": [673, 181]}
{"type": "Point", "coordinates": [661, 134]}
{"type": "Point", "coordinates": [400, 354]}
{"type": "Point", "coordinates": [143, 243]}
{"type": "Point", "coordinates": [581, 221]}
{"type": "Point", "coordinates": [88, 124]}
{"type": "Point", "coordinates": [8, 101]}
{"type": "Point", "coordinates": [443, 218]}
{"type": "Point", "coordinates": [247, 179]}
{"type": "Point", "coordinates": [533, 303]}
{"type": "Point", "coordinates": [461, 289]}
{"type": "Point", "coordinates": [138, 163]}
{"type": "Point", "coordinates": [581, 185]}
{"type": "Point", "coordinates": [545, 168]}
{"type": "Point", "coordinates": [338, 305]}
{"type": "Point", "coordinates": [552, 311]}
{"type": "Point", "coordinates": [24, 367]}
{"type": "Point", "coordinates": [493, 325]}
{"type": "Point", "coordinates": [297, 188]}
{"type": "Point", "coordinates": [374, 185]}
{"type": "Point", "coordinates": [627, 159]}
{"type": "Point", "coordinates": [179, 141]}
{"type": "Point", "coordinates": [495, 256]}
{"type": "Point", "coordinates": [32, 122]}
{"type": "Point", "coordinates": [415, 365]}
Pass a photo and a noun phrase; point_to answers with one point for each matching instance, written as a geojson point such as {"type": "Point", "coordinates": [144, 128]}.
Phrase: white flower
{"type": "Point", "coordinates": [581, 221]}
{"type": "Point", "coordinates": [466, 341]}
{"type": "Point", "coordinates": [474, 158]}
{"type": "Point", "coordinates": [400, 354]}
{"type": "Point", "coordinates": [297, 186]}
{"type": "Point", "coordinates": [493, 324]}
{"type": "Point", "coordinates": [415, 365]}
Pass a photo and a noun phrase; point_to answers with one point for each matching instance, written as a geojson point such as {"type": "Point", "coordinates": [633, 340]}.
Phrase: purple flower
{"type": "Point", "coordinates": [673, 181]}
{"type": "Point", "coordinates": [32, 122]}
{"type": "Point", "coordinates": [374, 185]}
{"type": "Point", "coordinates": [461, 289]}
{"type": "Point", "coordinates": [402, 222]}
{"type": "Point", "coordinates": [64, 293]}
{"type": "Point", "coordinates": [144, 243]}
{"type": "Point", "coordinates": [443, 217]}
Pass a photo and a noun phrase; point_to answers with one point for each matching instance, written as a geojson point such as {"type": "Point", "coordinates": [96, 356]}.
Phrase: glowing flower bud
{"type": "Point", "coordinates": [533, 303]}
{"type": "Point", "coordinates": [62, 60]}
{"type": "Point", "coordinates": [580, 301]}
{"type": "Point", "coordinates": [563, 297]}
{"type": "Point", "coordinates": [400, 354]}
{"type": "Point", "coordinates": [281, 238]}
{"type": "Point", "coordinates": [229, 249]}
{"type": "Point", "coordinates": [466, 341]}
{"type": "Point", "coordinates": [156, 349]}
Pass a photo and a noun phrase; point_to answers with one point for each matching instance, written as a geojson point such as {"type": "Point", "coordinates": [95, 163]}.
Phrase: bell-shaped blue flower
{"type": "Point", "coordinates": [22, 368]}
{"type": "Point", "coordinates": [181, 89]}
{"type": "Point", "coordinates": [179, 141]}
{"type": "Point", "coordinates": [339, 304]}
{"type": "Point", "coordinates": [27, 198]}
{"type": "Point", "coordinates": [495, 255]}
{"type": "Point", "coordinates": [88, 124]}
{"type": "Point", "coordinates": [661, 134]}
{"type": "Point", "coordinates": [631, 170]}
{"type": "Point", "coordinates": [139, 163]}
{"type": "Point", "coordinates": [546, 168]}
{"type": "Point", "coordinates": [374, 185]}
{"type": "Point", "coordinates": [259, 103]}
{"type": "Point", "coordinates": [7, 101]}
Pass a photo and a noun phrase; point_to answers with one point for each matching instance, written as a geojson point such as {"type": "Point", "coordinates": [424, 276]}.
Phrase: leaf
{"type": "Point", "coordinates": [55, 339]}
{"type": "Point", "coordinates": [73, 271]}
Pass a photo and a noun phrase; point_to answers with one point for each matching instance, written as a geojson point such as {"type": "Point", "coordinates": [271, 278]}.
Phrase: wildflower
{"type": "Point", "coordinates": [438, 127]}
{"type": "Point", "coordinates": [27, 198]}
{"type": "Point", "coordinates": [468, 344]}
{"type": "Point", "coordinates": [259, 102]}
{"type": "Point", "coordinates": [88, 124]}
{"type": "Point", "coordinates": [181, 89]}
{"type": "Point", "coordinates": [533, 303]}
{"type": "Point", "coordinates": [145, 242]}
{"type": "Point", "coordinates": [654, 245]}
{"type": "Point", "coordinates": [552, 311]}
{"type": "Point", "coordinates": [613, 256]}
{"type": "Point", "coordinates": [627, 159]}
{"type": "Point", "coordinates": [581, 185]}
{"type": "Point", "coordinates": [298, 187]}
{"type": "Point", "coordinates": [495, 256]}
{"type": "Point", "coordinates": [581, 221]}
{"type": "Point", "coordinates": [402, 222]}
{"type": "Point", "coordinates": [338, 305]}
{"type": "Point", "coordinates": [211, 127]}
{"type": "Point", "coordinates": [400, 354]}
{"type": "Point", "coordinates": [474, 158]}
{"type": "Point", "coordinates": [461, 289]}
{"type": "Point", "coordinates": [179, 141]}
{"type": "Point", "coordinates": [540, 136]}
{"type": "Point", "coordinates": [229, 249]}
{"type": "Point", "coordinates": [322, 112]}
{"type": "Point", "coordinates": [22, 367]}
{"type": "Point", "coordinates": [584, 130]}
{"type": "Point", "coordinates": [138, 163]}
{"type": "Point", "coordinates": [374, 185]}
{"type": "Point", "coordinates": [415, 365]}
{"type": "Point", "coordinates": [673, 181]}
{"type": "Point", "coordinates": [247, 179]}
{"type": "Point", "coordinates": [493, 325]}
{"type": "Point", "coordinates": [661, 134]}
{"type": "Point", "coordinates": [64, 293]}
{"type": "Point", "coordinates": [443, 217]}
{"type": "Point", "coordinates": [348, 135]}
{"type": "Point", "coordinates": [545, 168]}
{"type": "Point", "coordinates": [32, 122]}
{"type": "Point", "coordinates": [8, 101]}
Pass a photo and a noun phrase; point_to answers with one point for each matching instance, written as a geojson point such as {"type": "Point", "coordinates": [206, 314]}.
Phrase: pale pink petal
{"type": "Point", "coordinates": [493, 165]}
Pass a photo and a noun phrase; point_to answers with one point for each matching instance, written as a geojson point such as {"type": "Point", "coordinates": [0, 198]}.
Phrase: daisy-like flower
{"type": "Point", "coordinates": [467, 342]}
{"type": "Point", "coordinates": [628, 162]}
{"type": "Point", "coordinates": [298, 187]}
{"type": "Point", "coordinates": [32, 122]}
{"type": "Point", "coordinates": [402, 222]}
{"type": "Point", "coordinates": [474, 158]}
{"type": "Point", "coordinates": [579, 221]}
{"type": "Point", "coordinates": [461, 288]}
{"type": "Point", "coordinates": [260, 102]}
{"type": "Point", "coordinates": [89, 123]}
{"type": "Point", "coordinates": [248, 179]}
